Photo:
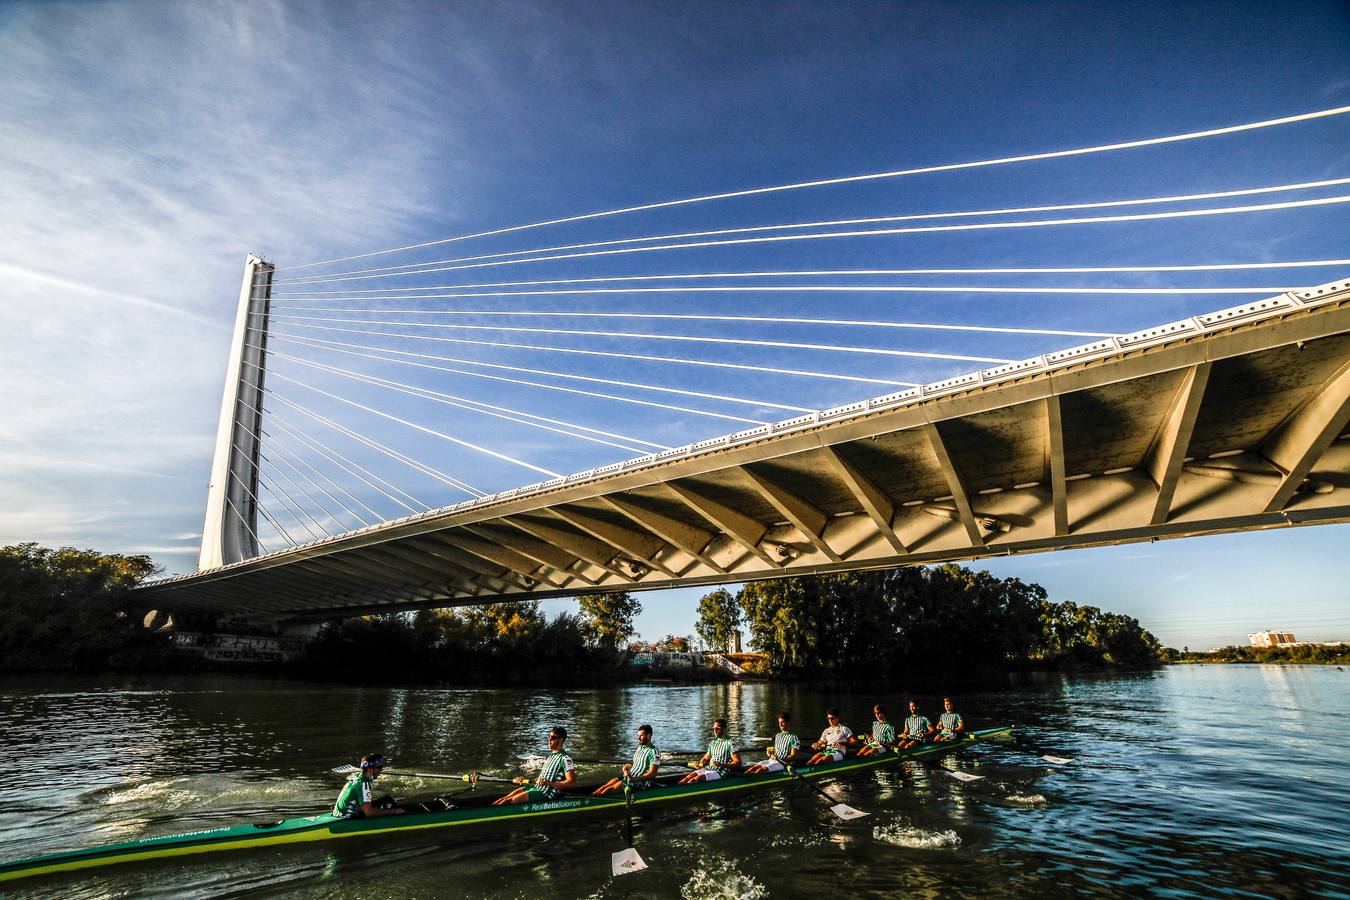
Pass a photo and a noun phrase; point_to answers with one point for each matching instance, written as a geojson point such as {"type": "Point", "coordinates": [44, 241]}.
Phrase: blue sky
{"type": "Point", "coordinates": [149, 146]}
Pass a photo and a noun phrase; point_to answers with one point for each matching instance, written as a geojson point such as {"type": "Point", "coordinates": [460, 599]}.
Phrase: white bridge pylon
{"type": "Point", "coordinates": [1235, 420]}
{"type": "Point", "coordinates": [230, 533]}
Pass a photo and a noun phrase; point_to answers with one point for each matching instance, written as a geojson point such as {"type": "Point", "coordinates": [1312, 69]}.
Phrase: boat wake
{"type": "Point", "coordinates": [1026, 799]}
{"type": "Point", "coordinates": [717, 878]}
{"type": "Point", "coordinates": [916, 838]}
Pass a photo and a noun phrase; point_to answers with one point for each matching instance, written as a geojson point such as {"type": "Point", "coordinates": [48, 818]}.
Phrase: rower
{"type": "Point", "coordinates": [883, 734]}
{"type": "Point", "coordinates": [355, 800]}
{"type": "Point", "coordinates": [721, 756]}
{"type": "Point", "coordinates": [918, 730]}
{"type": "Point", "coordinates": [786, 748]}
{"type": "Point", "coordinates": [557, 774]}
{"type": "Point", "coordinates": [950, 724]}
{"type": "Point", "coordinates": [641, 772]}
{"type": "Point", "coordinates": [834, 740]}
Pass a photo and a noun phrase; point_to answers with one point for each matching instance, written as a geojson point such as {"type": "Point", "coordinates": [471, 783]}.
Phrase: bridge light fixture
{"type": "Point", "coordinates": [634, 568]}
{"type": "Point", "coordinates": [785, 552]}
{"type": "Point", "coordinates": [991, 524]}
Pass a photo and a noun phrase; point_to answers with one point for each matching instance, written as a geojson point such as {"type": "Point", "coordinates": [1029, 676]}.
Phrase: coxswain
{"type": "Point", "coordinates": [557, 774]}
{"type": "Point", "coordinates": [720, 757]}
{"type": "Point", "coordinates": [834, 740]}
{"type": "Point", "coordinates": [918, 730]}
{"type": "Point", "coordinates": [883, 734]}
{"type": "Point", "coordinates": [784, 752]}
{"type": "Point", "coordinates": [641, 772]}
{"type": "Point", "coordinates": [950, 723]}
{"type": "Point", "coordinates": [355, 800]}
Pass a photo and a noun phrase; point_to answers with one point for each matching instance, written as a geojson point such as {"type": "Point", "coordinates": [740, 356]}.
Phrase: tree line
{"type": "Point", "coordinates": [499, 644]}
{"type": "Point", "coordinates": [67, 609]}
{"type": "Point", "coordinates": [914, 620]}
{"type": "Point", "coordinates": [71, 609]}
{"type": "Point", "coordinates": [1337, 654]}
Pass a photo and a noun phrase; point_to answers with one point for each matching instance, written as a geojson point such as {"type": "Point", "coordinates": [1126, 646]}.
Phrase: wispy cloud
{"type": "Point", "coordinates": [148, 148]}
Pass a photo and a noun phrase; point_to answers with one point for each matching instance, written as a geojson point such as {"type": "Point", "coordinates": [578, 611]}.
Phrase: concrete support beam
{"type": "Point", "coordinates": [1300, 440]}
{"type": "Point", "coordinates": [416, 567]}
{"type": "Point", "coordinates": [546, 554]}
{"type": "Point", "coordinates": [1054, 464]}
{"type": "Point", "coordinates": [742, 529]}
{"type": "Point", "coordinates": [955, 483]}
{"type": "Point", "coordinates": [640, 546]}
{"type": "Point", "coordinates": [879, 508]}
{"type": "Point", "coordinates": [597, 553]}
{"type": "Point", "coordinates": [686, 537]}
{"type": "Point", "coordinates": [434, 545]}
{"type": "Point", "coordinates": [808, 520]}
{"type": "Point", "coordinates": [529, 572]}
{"type": "Point", "coordinates": [371, 583]}
{"type": "Point", "coordinates": [1167, 452]}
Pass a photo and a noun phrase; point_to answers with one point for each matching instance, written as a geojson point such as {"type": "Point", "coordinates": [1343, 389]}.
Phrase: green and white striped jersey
{"type": "Point", "coordinates": [555, 767]}
{"type": "Point", "coordinates": [918, 726]}
{"type": "Point", "coordinates": [785, 743]}
{"type": "Point", "coordinates": [719, 752]}
{"type": "Point", "coordinates": [355, 793]}
{"type": "Point", "coordinates": [948, 723]}
{"type": "Point", "coordinates": [644, 757]}
{"type": "Point", "coordinates": [882, 733]}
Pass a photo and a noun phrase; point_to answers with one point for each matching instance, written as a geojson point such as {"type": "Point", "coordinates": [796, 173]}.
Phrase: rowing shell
{"type": "Point", "coordinates": [471, 812]}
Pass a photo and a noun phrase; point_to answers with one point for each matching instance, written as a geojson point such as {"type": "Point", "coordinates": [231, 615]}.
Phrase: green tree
{"type": "Point", "coordinates": [609, 617]}
{"type": "Point", "coordinates": [69, 608]}
{"type": "Point", "coordinates": [719, 616]}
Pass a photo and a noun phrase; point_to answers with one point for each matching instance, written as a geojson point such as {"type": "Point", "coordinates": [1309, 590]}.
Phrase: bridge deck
{"type": "Point", "coordinates": [1230, 421]}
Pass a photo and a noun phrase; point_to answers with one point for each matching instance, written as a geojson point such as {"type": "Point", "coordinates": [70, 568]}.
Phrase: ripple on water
{"type": "Point", "coordinates": [904, 835]}
{"type": "Point", "coordinates": [718, 877]}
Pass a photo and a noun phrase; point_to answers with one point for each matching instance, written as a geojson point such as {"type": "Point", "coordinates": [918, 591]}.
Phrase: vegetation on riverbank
{"type": "Point", "coordinates": [1304, 654]}
{"type": "Point", "coordinates": [65, 609]}
{"type": "Point", "coordinates": [70, 609]}
{"type": "Point", "coordinates": [902, 622]}
{"type": "Point", "coordinates": [500, 644]}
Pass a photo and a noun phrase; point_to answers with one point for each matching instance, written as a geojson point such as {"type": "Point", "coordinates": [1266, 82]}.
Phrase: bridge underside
{"type": "Point", "coordinates": [1234, 421]}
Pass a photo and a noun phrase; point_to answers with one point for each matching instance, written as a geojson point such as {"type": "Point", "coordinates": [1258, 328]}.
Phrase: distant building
{"type": "Point", "coordinates": [1271, 638]}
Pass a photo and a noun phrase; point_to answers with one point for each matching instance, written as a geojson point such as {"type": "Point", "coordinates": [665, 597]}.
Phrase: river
{"type": "Point", "coordinates": [1200, 780]}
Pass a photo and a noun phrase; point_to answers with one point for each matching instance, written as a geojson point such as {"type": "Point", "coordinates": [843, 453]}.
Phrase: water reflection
{"type": "Point", "coordinates": [1175, 783]}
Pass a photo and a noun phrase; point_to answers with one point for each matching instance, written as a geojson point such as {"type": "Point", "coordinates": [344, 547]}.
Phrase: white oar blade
{"type": "Point", "coordinates": [1057, 760]}
{"type": "Point", "coordinates": [965, 776]}
{"type": "Point", "coordinates": [345, 770]}
{"type": "Point", "coordinates": [625, 862]}
{"type": "Point", "coordinates": [846, 812]}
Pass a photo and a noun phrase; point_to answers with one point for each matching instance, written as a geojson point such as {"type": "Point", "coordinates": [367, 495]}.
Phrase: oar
{"type": "Point", "coordinates": [531, 757]}
{"type": "Point", "coordinates": [352, 770]}
{"type": "Point", "coordinates": [666, 753]}
{"type": "Point", "coordinates": [841, 810]}
{"type": "Point", "coordinates": [1025, 745]}
{"type": "Point", "coordinates": [628, 859]}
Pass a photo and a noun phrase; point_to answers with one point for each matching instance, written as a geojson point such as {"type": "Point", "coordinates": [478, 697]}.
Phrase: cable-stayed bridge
{"type": "Point", "coordinates": [1221, 420]}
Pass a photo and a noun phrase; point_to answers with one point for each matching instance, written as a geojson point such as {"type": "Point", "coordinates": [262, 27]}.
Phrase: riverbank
{"type": "Point", "coordinates": [1332, 654]}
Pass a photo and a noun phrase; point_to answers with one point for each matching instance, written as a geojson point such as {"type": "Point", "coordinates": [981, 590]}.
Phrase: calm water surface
{"type": "Point", "coordinates": [1192, 781]}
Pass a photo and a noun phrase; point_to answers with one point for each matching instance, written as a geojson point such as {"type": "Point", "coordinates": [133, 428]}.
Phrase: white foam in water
{"type": "Point", "coordinates": [718, 879]}
{"type": "Point", "coordinates": [1026, 799]}
{"type": "Point", "coordinates": [916, 838]}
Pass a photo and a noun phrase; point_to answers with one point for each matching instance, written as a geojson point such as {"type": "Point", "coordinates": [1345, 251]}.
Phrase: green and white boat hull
{"type": "Point", "coordinates": [327, 827]}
